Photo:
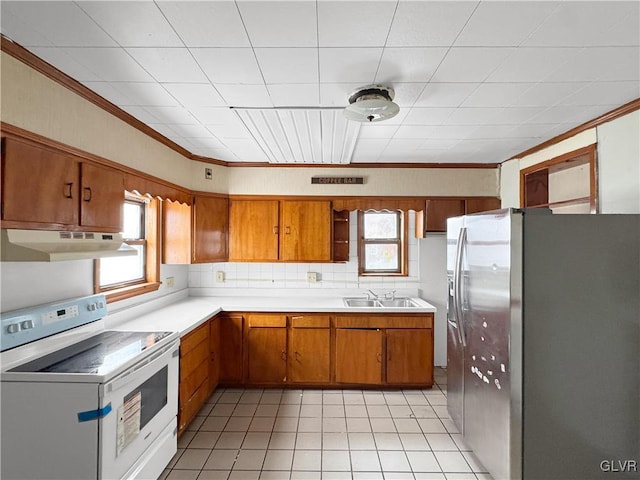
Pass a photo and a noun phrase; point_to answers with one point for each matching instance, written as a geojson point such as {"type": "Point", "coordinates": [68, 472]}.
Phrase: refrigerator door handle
{"type": "Point", "coordinates": [457, 285]}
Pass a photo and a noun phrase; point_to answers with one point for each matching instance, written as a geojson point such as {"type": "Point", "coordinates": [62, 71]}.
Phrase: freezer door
{"type": "Point", "coordinates": [455, 352]}
{"type": "Point", "coordinates": [486, 294]}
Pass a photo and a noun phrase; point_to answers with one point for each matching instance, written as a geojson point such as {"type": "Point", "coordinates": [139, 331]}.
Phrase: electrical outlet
{"type": "Point", "coordinates": [219, 277]}
{"type": "Point", "coordinates": [170, 282]}
{"type": "Point", "coordinates": [208, 174]}
{"type": "Point", "coordinates": [312, 277]}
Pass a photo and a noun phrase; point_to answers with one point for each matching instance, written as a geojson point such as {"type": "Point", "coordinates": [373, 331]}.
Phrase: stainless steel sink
{"type": "Point", "coordinates": [361, 302]}
{"type": "Point", "coordinates": [398, 303]}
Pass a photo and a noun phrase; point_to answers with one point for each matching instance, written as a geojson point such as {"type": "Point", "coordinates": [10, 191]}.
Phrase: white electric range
{"type": "Point", "coordinates": [81, 402]}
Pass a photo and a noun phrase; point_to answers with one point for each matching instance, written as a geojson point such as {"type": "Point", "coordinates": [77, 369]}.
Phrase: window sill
{"type": "Point", "coordinates": [130, 291]}
{"type": "Point", "coordinates": [382, 274]}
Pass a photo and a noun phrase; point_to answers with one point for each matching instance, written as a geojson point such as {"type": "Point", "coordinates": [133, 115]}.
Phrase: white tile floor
{"type": "Point", "coordinates": [250, 434]}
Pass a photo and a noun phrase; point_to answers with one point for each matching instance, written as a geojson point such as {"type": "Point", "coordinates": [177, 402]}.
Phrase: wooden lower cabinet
{"type": "Point", "coordinates": [409, 356]}
{"type": "Point", "coordinates": [194, 374]}
{"type": "Point", "coordinates": [231, 371]}
{"type": "Point", "coordinates": [309, 347]}
{"type": "Point", "coordinates": [358, 356]}
{"type": "Point", "coordinates": [267, 348]}
{"type": "Point", "coordinates": [214, 353]}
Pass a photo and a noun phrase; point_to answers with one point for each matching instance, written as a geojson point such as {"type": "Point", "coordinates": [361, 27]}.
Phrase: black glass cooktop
{"type": "Point", "coordinates": [97, 355]}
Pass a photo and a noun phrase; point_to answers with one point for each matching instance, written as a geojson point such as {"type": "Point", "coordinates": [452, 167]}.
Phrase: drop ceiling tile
{"type": "Point", "coordinates": [288, 65]}
{"type": "Point", "coordinates": [22, 32]}
{"type": "Point", "coordinates": [206, 24]}
{"type": "Point", "coordinates": [62, 24]}
{"type": "Point", "coordinates": [445, 94]}
{"type": "Point", "coordinates": [439, 143]}
{"type": "Point", "coordinates": [108, 91]}
{"type": "Point", "coordinates": [423, 24]}
{"type": "Point", "coordinates": [409, 64]}
{"type": "Point", "coordinates": [560, 114]}
{"type": "Point", "coordinates": [470, 64]}
{"type": "Point", "coordinates": [141, 114]}
{"type": "Point", "coordinates": [600, 63]}
{"type": "Point", "coordinates": [410, 132]}
{"type": "Point", "coordinates": [365, 157]}
{"type": "Point", "coordinates": [371, 145]}
{"type": "Point", "coordinates": [349, 65]}
{"type": "Point", "coordinates": [337, 94]}
{"type": "Point", "coordinates": [209, 141]}
{"type": "Point", "coordinates": [229, 65]}
{"type": "Point", "coordinates": [354, 24]}
{"type": "Point", "coordinates": [194, 94]}
{"type": "Point", "coordinates": [297, 95]}
{"type": "Point", "coordinates": [489, 132]}
{"type": "Point", "coordinates": [547, 94]}
{"type": "Point", "coordinates": [578, 24]}
{"type": "Point", "coordinates": [532, 64]}
{"type": "Point", "coordinates": [109, 64]}
{"type": "Point", "coordinates": [169, 64]}
{"type": "Point", "coordinates": [133, 23]}
{"type": "Point", "coordinates": [406, 94]}
{"type": "Point", "coordinates": [626, 32]}
{"type": "Point", "coordinates": [449, 131]}
{"type": "Point", "coordinates": [213, 115]}
{"type": "Point", "coordinates": [162, 128]}
{"type": "Point", "coordinates": [245, 95]}
{"type": "Point", "coordinates": [471, 116]}
{"type": "Point", "coordinates": [64, 62]}
{"type": "Point", "coordinates": [504, 23]}
{"type": "Point", "coordinates": [145, 94]}
{"type": "Point", "coordinates": [427, 115]}
{"type": "Point", "coordinates": [404, 144]}
{"type": "Point", "coordinates": [515, 115]}
{"type": "Point", "coordinates": [604, 93]}
{"type": "Point", "coordinates": [171, 115]}
{"type": "Point", "coordinates": [280, 24]}
{"type": "Point", "coordinates": [496, 94]}
{"type": "Point", "coordinates": [246, 150]}
{"type": "Point", "coordinates": [377, 130]}
{"type": "Point", "coordinates": [229, 131]}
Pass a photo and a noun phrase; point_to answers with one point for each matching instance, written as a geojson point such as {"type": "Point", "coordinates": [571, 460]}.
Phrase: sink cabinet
{"type": "Point", "coordinates": [358, 356]}
{"type": "Point", "coordinates": [267, 348]}
{"type": "Point", "coordinates": [309, 347]}
{"type": "Point", "coordinates": [409, 355]}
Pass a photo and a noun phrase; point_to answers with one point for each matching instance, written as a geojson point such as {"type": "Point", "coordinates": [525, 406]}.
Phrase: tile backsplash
{"type": "Point", "coordinates": [294, 275]}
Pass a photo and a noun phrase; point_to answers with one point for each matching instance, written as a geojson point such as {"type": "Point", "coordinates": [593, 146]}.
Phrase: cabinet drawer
{"type": "Point", "coordinates": [189, 362]}
{"type": "Point", "coordinates": [192, 339]}
{"type": "Point", "coordinates": [190, 383]}
{"type": "Point", "coordinates": [310, 321]}
{"type": "Point", "coordinates": [267, 320]}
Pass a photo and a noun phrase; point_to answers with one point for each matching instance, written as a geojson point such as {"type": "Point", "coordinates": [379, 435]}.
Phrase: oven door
{"type": "Point", "coordinates": [144, 406]}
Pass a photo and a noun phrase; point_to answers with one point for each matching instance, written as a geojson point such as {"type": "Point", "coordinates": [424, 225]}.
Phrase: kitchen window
{"type": "Point", "coordinates": [124, 277]}
{"type": "Point", "coordinates": [382, 244]}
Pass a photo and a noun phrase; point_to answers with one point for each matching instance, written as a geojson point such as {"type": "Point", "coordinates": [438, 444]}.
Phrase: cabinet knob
{"type": "Point", "coordinates": [87, 194]}
{"type": "Point", "coordinates": [283, 356]}
{"type": "Point", "coordinates": [275, 230]}
{"type": "Point", "coordinates": [68, 192]}
{"type": "Point", "coordinates": [379, 357]}
{"type": "Point", "coordinates": [287, 230]}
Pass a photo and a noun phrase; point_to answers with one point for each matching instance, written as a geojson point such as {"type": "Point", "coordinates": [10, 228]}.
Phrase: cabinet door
{"type": "Point", "coordinates": [474, 205]}
{"type": "Point", "coordinates": [194, 374]}
{"type": "Point", "coordinates": [267, 355]}
{"type": "Point", "coordinates": [305, 231]}
{"type": "Point", "coordinates": [39, 185]}
{"type": "Point", "coordinates": [210, 228]}
{"type": "Point", "coordinates": [214, 353]}
{"type": "Point", "coordinates": [102, 197]}
{"type": "Point", "coordinates": [176, 233]}
{"type": "Point", "coordinates": [439, 210]}
{"type": "Point", "coordinates": [253, 230]}
{"type": "Point", "coordinates": [410, 356]}
{"type": "Point", "coordinates": [231, 371]}
{"type": "Point", "coordinates": [358, 356]}
{"type": "Point", "coordinates": [309, 355]}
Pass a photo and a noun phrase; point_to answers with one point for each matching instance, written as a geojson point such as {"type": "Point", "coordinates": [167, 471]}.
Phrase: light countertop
{"type": "Point", "coordinates": [188, 313]}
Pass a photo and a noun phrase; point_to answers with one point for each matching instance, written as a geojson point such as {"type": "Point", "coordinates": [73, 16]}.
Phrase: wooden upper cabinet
{"type": "Point", "coordinates": [210, 229]}
{"type": "Point", "coordinates": [176, 232]}
{"type": "Point", "coordinates": [439, 210]}
{"type": "Point", "coordinates": [102, 197]}
{"type": "Point", "coordinates": [47, 188]}
{"type": "Point", "coordinates": [39, 185]}
{"type": "Point", "coordinates": [305, 231]}
{"type": "Point", "coordinates": [253, 230]}
{"type": "Point", "coordinates": [476, 205]}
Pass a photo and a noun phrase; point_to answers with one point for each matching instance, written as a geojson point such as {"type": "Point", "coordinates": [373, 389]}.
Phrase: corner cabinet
{"type": "Point", "coordinates": [280, 230]}
{"type": "Point", "coordinates": [44, 188]}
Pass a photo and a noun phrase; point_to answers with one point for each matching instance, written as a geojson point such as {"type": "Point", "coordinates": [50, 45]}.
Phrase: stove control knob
{"type": "Point", "coordinates": [92, 307]}
{"type": "Point", "coordinates": [27, 324]}
{"type": "Point", "coordinates": [13, 328]}
{"type": "Point", "coordinates": [100, 304]}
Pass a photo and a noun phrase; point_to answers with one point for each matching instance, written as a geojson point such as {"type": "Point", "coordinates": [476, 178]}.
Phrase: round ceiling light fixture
{"type": "Point", "coordinates": [371, 103]}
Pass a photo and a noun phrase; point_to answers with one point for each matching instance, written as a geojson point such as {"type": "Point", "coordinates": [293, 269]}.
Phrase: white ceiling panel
{"type": "Point", "coordinates": [470, 64]}
{"type": "Point", "coordinates": [409, 64]}
{"type": "Point", "coordinates": [229, 65]}
{"type": "Point", "coordinates": [169, 64]}
{"type": "Point", "coordinates": [280, 24]}
{"type": "Point", "coordinates": [504, 24]}
{"type": "Point", "coordinates": [133, 23]}
{"type": "Point", "coordinates": [354, 24]}
{"type": "Point", "coordinates": [194, 94]}
{"type": "Point", "coordinates": [476, 81]}
{"type": "Point", "coordinates": [62, 24]}
{"type": "Point", "coordinates": [356, 65]}
{"type": "Point", "coordinates": [206, 24]}
{"type": "Point", "coordinates": [109, 64]}
{"type": "Point", "coordinates": [426, 24]}
{"type": "Point", "coordinates": [288, 65]}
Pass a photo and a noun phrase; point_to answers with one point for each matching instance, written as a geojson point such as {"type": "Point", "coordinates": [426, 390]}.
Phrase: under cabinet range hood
{"type": "Point", "coordinates": [55, 246]}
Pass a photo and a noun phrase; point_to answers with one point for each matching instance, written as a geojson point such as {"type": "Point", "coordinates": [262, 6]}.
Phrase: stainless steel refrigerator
{"type": "Point", "coordinates": [543, 342]}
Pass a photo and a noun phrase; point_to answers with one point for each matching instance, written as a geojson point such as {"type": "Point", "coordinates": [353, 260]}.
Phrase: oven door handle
{"type": "Point", "coordinates": [152, 361]}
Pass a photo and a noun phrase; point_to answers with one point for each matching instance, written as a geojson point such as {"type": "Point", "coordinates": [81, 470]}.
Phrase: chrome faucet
{"type": "Point", "coordinates": [390, 295]}
{"type": "Point", "coordinates": [371, 294]}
